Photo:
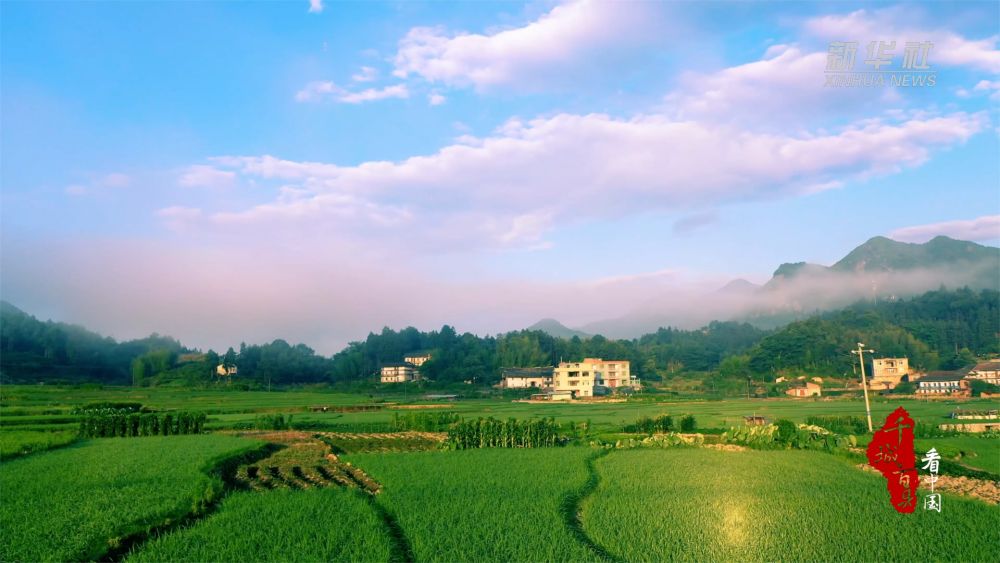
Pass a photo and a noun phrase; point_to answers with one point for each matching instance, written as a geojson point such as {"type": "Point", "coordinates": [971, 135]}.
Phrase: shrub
{"type": "Point", "coordinates": [688, 423]}
{"type": "Point", "coordinates": [840, 424]}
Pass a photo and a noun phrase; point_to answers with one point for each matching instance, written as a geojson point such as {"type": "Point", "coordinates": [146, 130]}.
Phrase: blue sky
{"type": "Point", "coordinates": [354, 164]}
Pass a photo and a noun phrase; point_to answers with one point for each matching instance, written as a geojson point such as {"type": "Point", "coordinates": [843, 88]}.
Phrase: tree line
{"type": "Point", "coordinates": [943, 329]}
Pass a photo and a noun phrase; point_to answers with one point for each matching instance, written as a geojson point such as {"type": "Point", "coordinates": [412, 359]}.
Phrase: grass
{"type": "Point", "coordinates": [482, 505]}
{"type": "Point", "coordinates": [974, 451]}
{"type": "Point", "coordinates": [706, 505]}
{"type": "Point", "coordinates": [281, 525]}
{"type": "Point", "coordinates": [17, 443]}
{"type": "Point", "coordinates": [81, 501]}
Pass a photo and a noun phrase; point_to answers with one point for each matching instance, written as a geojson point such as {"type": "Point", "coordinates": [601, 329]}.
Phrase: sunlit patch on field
{"type": "Point", "coordinates": [699, 504]}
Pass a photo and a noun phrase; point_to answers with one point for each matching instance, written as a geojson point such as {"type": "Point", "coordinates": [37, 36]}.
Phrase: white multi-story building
{"type": "Point", "coordinates": [986, 371]}
{"type": "Point", "coordinates": [593, 376]}
{"type": "Point", "coordinates": [399, 373]}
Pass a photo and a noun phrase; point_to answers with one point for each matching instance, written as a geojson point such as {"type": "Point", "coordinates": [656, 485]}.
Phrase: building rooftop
{"type": "Point", "coordinates": [418, 354]}
{"type": "Point", "coordinates": [992, 365]}
{"type": "Point", "coordinates": [936, 376]}
{"type": "Point", "coordinates": [527, 372]}
{"type": "Point", "coordinates": [397, 365]}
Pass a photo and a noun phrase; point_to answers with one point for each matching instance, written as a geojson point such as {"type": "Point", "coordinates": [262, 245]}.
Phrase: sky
{"type": "Point", "coordinates": [315, 170]}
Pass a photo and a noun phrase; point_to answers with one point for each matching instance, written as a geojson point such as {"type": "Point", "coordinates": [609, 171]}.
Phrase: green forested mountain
{"type": "Point", "coordinates": [938, 330]}
{"type": "Point", "coordinates": [32, 350]}
{"type": "Point", "coordinates": [883, 254]}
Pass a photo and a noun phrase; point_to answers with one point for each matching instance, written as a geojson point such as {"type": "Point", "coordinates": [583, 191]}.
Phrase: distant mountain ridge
{"type": "Point", "coordinates": [554, 328]}
{"type": "Point", "coordinates": [880, 268]}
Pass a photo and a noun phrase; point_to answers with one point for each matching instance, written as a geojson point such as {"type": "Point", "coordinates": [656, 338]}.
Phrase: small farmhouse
{"type": "Point", "coordinates": [418, 358]}
{"type": "Point", "coordinates": [810, 389]}
{"type": "Point", "coordinates": [223, 370]}
{"type": "Point", "coordinates": [988, 372]}
{"type": "Point", "coordinates": [399, 373]}
{"type": "Point", "coordinates": [526, 378]}
{"type": "Point", "coordinates": [943, 383]}
{"type": "Point", "coordinates": [887, 373]}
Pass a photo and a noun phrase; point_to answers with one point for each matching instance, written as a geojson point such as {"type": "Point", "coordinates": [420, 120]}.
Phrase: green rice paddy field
{"type": "Point", "coordinates": [171, 498]}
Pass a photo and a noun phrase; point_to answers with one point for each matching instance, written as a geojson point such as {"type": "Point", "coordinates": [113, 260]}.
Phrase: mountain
{"type": "Point", "coordinates": [738, 286]}
{"type": "Point", "coordinates": [883, 254]}
{"type": "Point", "coordinates": [881, 269]}
{"type": "Point", "coordinates": [554, 328]}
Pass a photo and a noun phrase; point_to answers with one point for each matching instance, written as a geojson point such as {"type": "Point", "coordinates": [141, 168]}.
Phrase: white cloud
{"type": "Point", "coordinates": [511, 187]}
{"type": "Point", "coordinates": [436, 99]}
{"type": "Point", "coordinates": [992, 86]}
{"type": "Point", "coordinates": [315, 6]}
{"type": "Point", "coordinates": [986, 228]}
{"type": "Point", "coordinates": [76, 190]}
{"type": "Point", "coordinates": [892, 24]}
{"type": "Point", "coordinates": [202, 176]}
{"type": "Point", "coordinates": [366, 74]}
{"type": "Point", "coordinates": [321, 90]}
{"type": "Point", "coordinates": [564, 36]}
{"type": "Point", "coordinates": [372, 94]}
{"type": "Point", "coordinates": [316, 90]}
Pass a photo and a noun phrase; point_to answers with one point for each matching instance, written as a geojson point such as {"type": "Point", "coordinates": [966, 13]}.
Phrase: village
{"type": "Point", "coordinates": [597, 379]}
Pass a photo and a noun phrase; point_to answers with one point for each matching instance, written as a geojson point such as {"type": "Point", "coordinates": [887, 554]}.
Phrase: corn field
{"type": "Point", "coordinates": [111, 423]}
{"type": "Point", "coordinates": [511, 433]}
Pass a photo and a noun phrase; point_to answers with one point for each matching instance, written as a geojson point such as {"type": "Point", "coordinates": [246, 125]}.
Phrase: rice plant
{"type": "Point", "coordinates": [281, 525]}
{"type": "Point", "coordinates": [482, 504]}
{"type": "Point", "coordinates": [707, 505]}
{"type": "Point", "coordinates": [81, 501]}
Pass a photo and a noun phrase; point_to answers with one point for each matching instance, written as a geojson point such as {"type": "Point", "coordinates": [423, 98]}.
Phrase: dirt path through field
{"type": "Point", "coordinates": [572, 508]}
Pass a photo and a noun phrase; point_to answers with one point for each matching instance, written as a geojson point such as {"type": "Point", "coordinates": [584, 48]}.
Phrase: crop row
{"type": "Point", "coordinates": [131, 424]}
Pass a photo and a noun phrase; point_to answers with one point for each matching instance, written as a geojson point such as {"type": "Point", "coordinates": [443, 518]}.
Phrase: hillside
{"type": "Point", "coordinates": [553, 327]}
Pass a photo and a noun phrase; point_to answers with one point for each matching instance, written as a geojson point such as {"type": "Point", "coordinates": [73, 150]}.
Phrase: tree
{"type": "Point", "coordinates": [229, 360]}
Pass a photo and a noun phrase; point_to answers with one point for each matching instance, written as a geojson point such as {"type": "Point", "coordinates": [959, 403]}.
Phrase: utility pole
{"type": "Point", "coordinates": [864, 383]}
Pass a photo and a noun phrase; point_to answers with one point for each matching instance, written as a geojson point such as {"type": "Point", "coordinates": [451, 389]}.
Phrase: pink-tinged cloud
{"type": "Point", "coordinates": [320, 91]}
{"type": "Point", "coordinates": [986, 228]}
{"type": "Point", "coordinates": [366, 74]}
{"type": "Point", "coordinates": [895, 24]}
{"type": "Point", "coordinates": [315, 6]}
{"type": "Point", "coordinates": [203, 176]}
{"type": "Point", "coordinates": [786, 85]}
{"type": "Point", "coordinates": [512, 186]}
{"type": "Point", "coordinates": [565, 36]}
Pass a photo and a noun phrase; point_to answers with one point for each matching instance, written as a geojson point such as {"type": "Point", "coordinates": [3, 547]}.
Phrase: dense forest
{"type": "Point", "coordinates": [938, 330]}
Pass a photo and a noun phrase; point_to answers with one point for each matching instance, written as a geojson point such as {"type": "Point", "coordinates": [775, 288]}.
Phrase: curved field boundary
{"type": "Point", "coordinates": [222, 471]}
{"type": "Point", "coordinates": [402, 551]}
{"type": "Point", "coordinates": [571, 508]}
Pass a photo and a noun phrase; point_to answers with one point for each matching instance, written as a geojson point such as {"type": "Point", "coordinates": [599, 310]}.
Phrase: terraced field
{"type": "Point", "coordinates": [708, 505]}
{"type": "Point", "coordinates": [299, 460]}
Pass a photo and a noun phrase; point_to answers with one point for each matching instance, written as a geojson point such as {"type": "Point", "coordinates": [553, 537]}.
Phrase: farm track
{"type": "Point", "coordinates": [571, 508]}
